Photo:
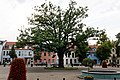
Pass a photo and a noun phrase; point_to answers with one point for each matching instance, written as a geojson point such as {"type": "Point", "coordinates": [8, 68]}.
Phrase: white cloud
{"type": "Point", "coordinates": [105, 16]}
{"type": "Point", "coordinates": [14, 13]}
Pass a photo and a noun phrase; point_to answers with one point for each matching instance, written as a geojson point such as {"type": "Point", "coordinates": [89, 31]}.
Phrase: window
{"type": "Point", "coordinates": [53, 56]}
{"type": "Point", "coordinates": [52, 60]}
{"type": "Point", "coordinates": [19, 54]}
{"type": "Point", "coordinates": [66, 61]}
{"type": "Point", "coordinates": [22, 54]}
{"type": "Point", "coordinates": [69, 54]}
{"type": "Point", "coordinates": [4, 53]}
{"type": "Point", "coordinates": [110, 61]}
{"type": "Point", "coordinates": [25, 54]}
{"type": "Point", "coordinates": [72, 55]}
{"type": "Point", "coordinates": [113, 50]}
{"type": "Point", "coordinates": [7, 52]}
{"type": "Point", "coordinates": [75, 61]}
{"type": "Point", "coordinates": [48, 53]}
{"type": "Point", "coordinates": [117, 61]}
{"type": "Point", "coordinates": [44, 60]}
{"type": "Point", "coordinates": [48, 60]}
{"type": "Point", "coordinates": [44, 54]}
{"type": "Point", "coordinates": [94, 49]}
{"type": "Point", "coordinates": [71, 61]}
{"type": "Point", "coordinates": [30, 54]}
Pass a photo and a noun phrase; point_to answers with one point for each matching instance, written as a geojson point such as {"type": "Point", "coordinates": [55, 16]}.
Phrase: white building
{"type": "Point", "coordinates": [93, 40]}
{"type": "Point", "coordinates": [2, 43]}
{"type": "Point", "coordinates": [68, 59]}
{"type": "Point", "coordinates": [25, 53]}
{"type": "Point", "coordinates": [21, 53]}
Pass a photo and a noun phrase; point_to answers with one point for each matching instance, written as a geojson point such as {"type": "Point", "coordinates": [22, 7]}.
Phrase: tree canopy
{"type": "Point", "coordinates": [53, 27]}
{"type": "Point", "coordinates": [104, 50]}
{"type": "Point", "coordinates": [56, 29]}
{"type": "Point", "coordinates": [117, 44]}
{"type": "Point", "coordinates": [82, 41]}
{"type": "Point", "coordinates": [12, 53]}
{"type": "Point", "coordinates": [37, 56]}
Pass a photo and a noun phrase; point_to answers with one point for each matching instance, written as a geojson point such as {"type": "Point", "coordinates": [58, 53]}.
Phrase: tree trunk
{"type": "Point", "coordinates": [61, 63]}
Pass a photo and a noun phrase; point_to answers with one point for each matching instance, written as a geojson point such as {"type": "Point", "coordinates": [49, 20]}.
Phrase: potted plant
{"type": "Point", "coordinates": [88, 78]}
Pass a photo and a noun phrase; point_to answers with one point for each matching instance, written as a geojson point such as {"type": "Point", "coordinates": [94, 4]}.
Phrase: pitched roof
{"type": "Point", "coordinates": [10, 43]}
{"type": "Point", "coordinates": [17, 49]}
{"type": "Point", "coordinates": [93, 46]}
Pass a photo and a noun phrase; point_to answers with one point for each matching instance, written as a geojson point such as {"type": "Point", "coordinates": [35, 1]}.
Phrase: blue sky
{"type": "Point", "coordinates": [102, 13]}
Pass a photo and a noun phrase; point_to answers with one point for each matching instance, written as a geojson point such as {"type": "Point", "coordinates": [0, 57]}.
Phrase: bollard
{"type": "Point", "coordinates": [63, 78]}
{"type": "Point", "coordinates": [37, 78]}
{"type": "Point", "coordinates": [114, 78]}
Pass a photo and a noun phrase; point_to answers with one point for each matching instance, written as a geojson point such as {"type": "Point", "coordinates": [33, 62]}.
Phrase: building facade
{"type": "Point", "coordinates": [70, 58]}
{"type": "Point", "coordinates": [2, 43]}
{"type": "Point", "coordinates": [92, 44]}
{"type": "Point", "coordinates": [92, 54]}
{"type": "Point", "coordinates": [21, 53]}
{"type": "Point", "coordinates": [52, 58]}
{"type": "Point", "coordinates": [28, 54]}
{"type": "Point", "coordinates": [25, 53]}
{"type": "Point", "coordinates": [47, 57]}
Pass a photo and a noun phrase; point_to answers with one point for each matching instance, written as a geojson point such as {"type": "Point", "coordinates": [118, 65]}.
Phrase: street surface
{"type": "Point", "coordinates": [38, 72]}
{"type": "Point", "coordinates": [34, 73]}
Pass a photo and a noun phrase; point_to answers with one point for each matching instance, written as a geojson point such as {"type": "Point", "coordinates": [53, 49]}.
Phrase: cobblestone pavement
{"type": "Point", "coordinates": [34, 73]}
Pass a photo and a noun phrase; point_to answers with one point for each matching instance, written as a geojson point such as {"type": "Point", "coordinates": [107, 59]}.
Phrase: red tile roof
{"type": "Point", "coordinates": [10, 43]}
{"type": "Point", "coordinates": [17, 49]}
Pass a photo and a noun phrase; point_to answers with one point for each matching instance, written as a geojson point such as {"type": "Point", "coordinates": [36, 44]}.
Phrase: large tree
{"type": "Point", "coordinates": [57, 29]}
{"type": "Point", "coordinates": [37, 56]}
{"type": "Point", "coordinates": [54, 27]}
